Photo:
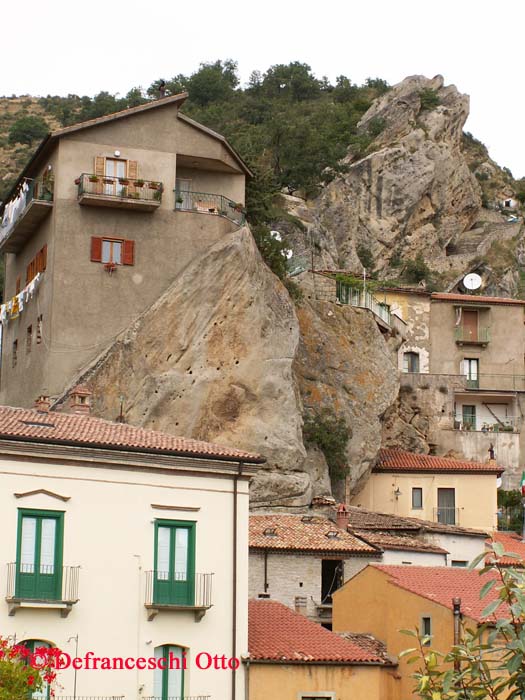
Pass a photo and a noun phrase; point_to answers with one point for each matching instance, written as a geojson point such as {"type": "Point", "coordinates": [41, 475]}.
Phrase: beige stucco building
{"type": "Point", "coordinates": [106, 213]}
{"type": "Point", "coordinates": [126, 543]}
{"type": "Point", "coordinates": [449, 491]}
{"type": "Point", "coordinates": [463, 359]}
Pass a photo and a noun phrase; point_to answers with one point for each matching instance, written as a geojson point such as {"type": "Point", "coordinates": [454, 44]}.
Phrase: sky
{"type": "Point", "coordinates": [59, 47]}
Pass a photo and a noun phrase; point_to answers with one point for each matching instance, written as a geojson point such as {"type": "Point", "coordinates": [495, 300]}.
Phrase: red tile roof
{"type": "Point", "coordinates": [394, 459]}
{"type": "Point", "coordinates": [474, 299]}
{"type": "Point", "coordinates": [83, 430]}
{"type": "Point", "coordinates": [276, 633]}
{"type": "Point", "coordinates": [513, 544]}
{"type": "Point", "coordinates": [443, 583]}
{"type": "Point", "coordinates": [361, 519]}
{"type": "Point", "coordinates": [387, 540]}
{"type": "Point", "coordinates": [305, 533]}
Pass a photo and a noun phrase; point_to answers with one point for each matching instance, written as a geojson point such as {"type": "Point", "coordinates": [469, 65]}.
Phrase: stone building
{"type": "Point", "coordinates": [99, 223]}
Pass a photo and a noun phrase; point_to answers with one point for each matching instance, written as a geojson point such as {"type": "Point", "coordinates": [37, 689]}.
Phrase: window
{"type": "Point", "coordinates": [14, 356]}
{"type": "Point", "coordinates": [319, 695]}
{"type": "Point", "coordinates": [459, 562]}
{"type": "Point", "coordinates": [39, 554]}
{"type": "Point", "coordinates": [426, 629]}
{"type": "Point", "coordinates": [18, 287]}
{"type": "Point", "coordinates": [33, 645]}
{"type": "Point", "coordinates": [417, 497]}
{"type": "Point", "coordinates": [112, 250]}
{"type": "Point", "coordinates": [37, 264]}
{"type": "Point", "coordinates": [331, 578]}
{"type": "Point", "coordinates": [168, 683]}
{"type": "Point", "coordinates": [446, 506]}
{"type": "Point", "coordinates": [29, 338]}
{"type": "Point", "coordinates": [174, 578]}
{"type": "Point", "coordinates": [39, 329]}
{"type": "Point", "coordinates": [183, 198]}
{"type": "Point", "coordinates": [411, 362]}
{"type": "Point", "coordinates": [471, 372]}
{"type": "Point", "coordinates": [469, 417]}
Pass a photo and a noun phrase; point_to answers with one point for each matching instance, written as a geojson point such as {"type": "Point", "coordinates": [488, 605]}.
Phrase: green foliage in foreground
{"type": "Point", "coordinates": [331, 435]}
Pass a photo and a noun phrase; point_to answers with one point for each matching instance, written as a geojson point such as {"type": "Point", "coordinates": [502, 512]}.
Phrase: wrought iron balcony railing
{"type": "Point", "coordinates": [460, 382]}
{"type": "Point", "coordinates": [120, 192]}
{"type": "Point", "coordinates": [47, 584]}
{"type": "Point", "coordinates": [31, 204]}
{"type": "Point", "coordinates": [446, 515]}
{"type": "Point", "coordinates": [355, 296]}
{"type": "Point", "coordinates": [89, 697]}
{"type": "Point", "coordinates": [207, 203]}
{"type": "Point", "coordinates": [177, 697]}
{"type": "Point", "coordinates": [179, 592]}
{"type": "Point", "coordinates": [479, 336]}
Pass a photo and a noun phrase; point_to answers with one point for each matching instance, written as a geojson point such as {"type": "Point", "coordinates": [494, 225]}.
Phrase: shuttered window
{"type": "Point", "coordinates": [119, 251]}
{"type": "Point", "coordinates": [37, 264]}
{"type": "Point", "coordinates": [39, 554]}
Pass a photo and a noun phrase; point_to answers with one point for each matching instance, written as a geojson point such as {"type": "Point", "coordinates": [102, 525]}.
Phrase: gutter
{"type": "Point", "coordinates": [304, 662]}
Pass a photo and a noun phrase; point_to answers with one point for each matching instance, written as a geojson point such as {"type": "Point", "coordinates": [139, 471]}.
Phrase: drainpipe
{"type": "Point", "coordinates": [456, 602]}
{"type": "Point", "coordinates": [265, 570]}
{"type": "Point", "coordinates": [234, 575]}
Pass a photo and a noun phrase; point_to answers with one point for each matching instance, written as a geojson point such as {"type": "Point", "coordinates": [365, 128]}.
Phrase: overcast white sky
{"type": "Point", "coordinates": [82, 47]}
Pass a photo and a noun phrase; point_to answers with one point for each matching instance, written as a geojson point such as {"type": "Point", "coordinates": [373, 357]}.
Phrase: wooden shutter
{"type": "Point", "coordinates": [128, 252]}
{"type": "Point", "coordinates": [18, 285]}
{"type": "Point", "coordinates": [96, 249]}
{"type": "Point", "coordinates": [44, 257]}
{"type": "Point", "coordinates": [100, 166]}
{"type": "Point", "coordinates": [39, 261]}
{"type": "Point", "coordinates": [133, 169]}
{"type": "Point", "coordinates": [28, 274]}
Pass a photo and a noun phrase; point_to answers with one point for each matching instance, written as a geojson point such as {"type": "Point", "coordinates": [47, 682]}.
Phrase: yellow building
{"type": "Point", "coordinates": [381, 600]}
{"type": "Point", "coordinates": [293, 658]}
{"type": "Point", "coordinates": [445, 490]}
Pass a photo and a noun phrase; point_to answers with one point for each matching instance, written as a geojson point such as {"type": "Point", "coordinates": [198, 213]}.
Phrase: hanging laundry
{"type": "Point", "coordinates": [14, 311]}
{"type": "Point", "coordinates": [3, 314]}
{"type": "Point", "coordinates": [20, 299]}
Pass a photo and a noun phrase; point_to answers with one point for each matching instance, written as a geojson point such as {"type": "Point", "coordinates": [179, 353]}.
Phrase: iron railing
{"type": "Point", "coordinates": [37, 189]}
{"type": "Point", "coordinates": [354, 296]}
{"type": "Point", "coordinates": [484, 382]}
{"type": "Point", "coordinates": [177, 697]}
{"type": "Point", "coordinates": [446, 515]}
{"type": "Point", "coordinates": [510, 424]}
{"type": "Point", "coordinates": [70, 580]}
{"type": "Point", "coordinates": [120, 187]}
{"type": "Point", "coordinates": [207, 203]}
{"type": "Point", "coordinates": [89, 697]}
{"type": "Point", "coordinates": [199, 587]}
{"type": "Point", "coordinates": [467, 335]}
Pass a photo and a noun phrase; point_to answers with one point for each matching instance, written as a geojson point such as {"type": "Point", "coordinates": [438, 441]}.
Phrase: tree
{"type": "Point", "coordinates": [489, 662]}
{"type": "Point", "coordinates": [213, 82]}
{"type": "Point", "coordinates": [294, 80]}
{"type": "Point", "coordinates": [23, 672]}
{"type": "Point", "coordinates": [28, 129]}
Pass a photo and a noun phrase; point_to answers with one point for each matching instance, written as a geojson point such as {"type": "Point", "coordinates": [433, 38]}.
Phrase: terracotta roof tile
{"type": "Point", "coordinates": [443, 583]}
{"type": "Point", "coordinates": [59, 428]}
{"type": "Point", "coordinates": [395, 459]}
{"type": "Point", "coordinates": [306, 533]}
{"type": "Point", "coordinates": [276, 633]}
{"type": "Point", "coordinates": [367, 641]}
{"type": "Point", "coordinates": [387, 540]}
{"type": "Point", "coordinates": [474, 299]}
{"type": "Point", "coordinates": [363, 519]}
{"type": "Point", "coordinates": [513, 544]}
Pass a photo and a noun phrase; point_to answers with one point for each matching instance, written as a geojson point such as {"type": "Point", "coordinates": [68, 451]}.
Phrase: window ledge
{"type": "Point", "coordinates": [64, 606]}
{"type": "Point", "coordinates": [199, 610]}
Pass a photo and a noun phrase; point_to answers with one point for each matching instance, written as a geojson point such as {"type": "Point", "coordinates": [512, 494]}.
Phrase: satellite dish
{"type": "Point", "coordinates": [276, 235]}
{"type": "Point", "coordinates": [472, 281]}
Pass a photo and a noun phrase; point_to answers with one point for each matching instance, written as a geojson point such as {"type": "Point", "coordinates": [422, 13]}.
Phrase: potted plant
{"type": "Point", "coordinates": [93, 178]}
{"type": "Point", "coordinates": [153, 185]}
{"type": "Point", "coordinates": [238, 206]}
{"type": "Point", "coordinates": [124, 192]}
{"type": "Point", "coordinates": [110, 267]}
{"type": "Point", "coordinates": [124, 181]}
{"type": "Point", "coordinates": [157, 195]}
{"type": "Point", "coordinates": [139, 183]}
{"type": "Point", "coordinates": [108, 180]}
{"type": "Point", "coordinates": [179, 201]}
{"type": "Point", "coordinates": [77, 181]}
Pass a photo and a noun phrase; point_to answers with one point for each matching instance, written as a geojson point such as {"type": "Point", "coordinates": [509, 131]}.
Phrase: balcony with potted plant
{"type": "Point", "coordinates": [119, 192]}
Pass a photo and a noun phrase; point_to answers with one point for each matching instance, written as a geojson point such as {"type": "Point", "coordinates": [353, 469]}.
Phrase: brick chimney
{"type": "Point", "coordinates": [81, 399]}
{"type": "Point", "coordinates": [42, 404]}
{"type": "Point", "coordinates": [342, 518]}
{"type": "Point", "coordinates": [300, 604]}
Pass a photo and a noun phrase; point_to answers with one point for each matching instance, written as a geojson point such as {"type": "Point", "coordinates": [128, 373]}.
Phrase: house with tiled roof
{"type": "Point", "coordinates": [513, 544]}
{"type": "Point", "coordinates": [292, 658]}
{"type": "Point", "coordinates": [404, 540]}
{"type": "Point", "coordinates": [109, 530]}
{"type": "Point", "coordinates": [462, 368]}
{"type": "Point", "coordinates": [300, 560]}
{"type": "Point", "coordinates": [381, 600]}
{"type": "Point", "coordinates": [98, 225]}
{"type": "Point", "coordinates": [449, 491]}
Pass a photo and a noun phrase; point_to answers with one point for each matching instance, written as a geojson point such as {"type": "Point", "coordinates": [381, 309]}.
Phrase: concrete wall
{"type": "Point", "coordinates": [109, 532]}
{"type": "Point", "coordinates": [296, 574]}
{"type": "Point", "coordinates": [460, 547]}
{"type": "Point", "coordinates": [369, 603]}
{"type": "Point", "coordinates": [83, 307]}
{"type": "Point", "coordinates": [414, 309]}
{"type": "Point", "coordinates": [396, 556]}
{"type": "Point", "coordinates": [293, 682]}
{"type": "Point", "coordinates": [476, 496]}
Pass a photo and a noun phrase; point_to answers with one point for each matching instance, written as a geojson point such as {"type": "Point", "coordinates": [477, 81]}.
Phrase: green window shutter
{"type": "Point", "coordinates": [39, 554]}
{"type": "Point", "coordinates": [174, 574]}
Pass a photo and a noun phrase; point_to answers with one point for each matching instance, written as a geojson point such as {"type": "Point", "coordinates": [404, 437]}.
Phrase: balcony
{"type": "Point", "coordinates": [354, 296]}
{"type": "Point", "coordinates": [89, 697]}
{"type": "Point", "coordinates": [472, 336]}
{"type": "Point", "coordinates": [119, 192]}
{"type": "Point", "coordinates": [462, 383]}
{"type": "Point", "coordinates": [207, 203]}
{"type": "Point", "coordinates": [446, 515]}
{"type": "Point", "coordinates": [174, 697]}
{"type": "Point", "coordinates": [23, 214]}
{"type": "Point", "coordinates": [191, 592]}
{"type": "Point", "coordinates": [45, 589]}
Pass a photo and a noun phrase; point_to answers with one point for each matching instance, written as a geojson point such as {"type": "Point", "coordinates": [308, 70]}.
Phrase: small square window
{"type": "Point", "coordinates": [417, 498]}
{"type": "Point", "coordinates": [29, 338]}
{"type": "Point", "coordinates": [459, 562]}
{"type": "Point", "coordinates": [14, 357]}
{"type": "Point", "coordinates": [39, 329]}
{"type": "Point", "coordinates": [426, 629]}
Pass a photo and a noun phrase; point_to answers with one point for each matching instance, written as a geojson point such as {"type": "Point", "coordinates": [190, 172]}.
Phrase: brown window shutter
{"type": "Point", "coordinates": [128, 253]}
{"type": "Point", "coordinates": [133, 169]}
{"type": "Point", "coordinates": [100, 166]}
{"type": "Point", "coordinates": [96, 249]}
{"type": "Point", "coordinates": [28, 274]}
{"type": "Point", "coordinates": [44, 257]}
{"type": "Point", "coordinates": [39, 261]}
{"type": "Point", "coordinates": [17, 285]}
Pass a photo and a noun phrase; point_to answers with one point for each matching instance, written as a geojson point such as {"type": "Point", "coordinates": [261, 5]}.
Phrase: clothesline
{"type": "Point", "coordinates": [13, 308]}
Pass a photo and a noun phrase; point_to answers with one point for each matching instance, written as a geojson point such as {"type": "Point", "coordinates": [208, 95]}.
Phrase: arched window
{"type": "Point", "coordinates": [168, 682]}
{"type": "Point", "coordinates": [33, 645]}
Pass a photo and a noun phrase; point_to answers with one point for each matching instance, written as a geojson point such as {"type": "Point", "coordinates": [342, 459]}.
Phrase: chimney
{"type": "Point", "coordinates": [300, 603]}
{"type": "Point", "coordinates": [81, 399]}
{"type": "Point", "coordinates": [342, 518]}
{"type": "Point", "coordinates": [42, 404]}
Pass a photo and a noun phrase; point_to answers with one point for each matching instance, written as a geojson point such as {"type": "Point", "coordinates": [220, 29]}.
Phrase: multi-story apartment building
{"type": "Point", "coordinates": [464, 356]}
{"type": "Point", "coordinates": [126, 543]}
{"type": "Point", "coordinates": [99, 223]}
